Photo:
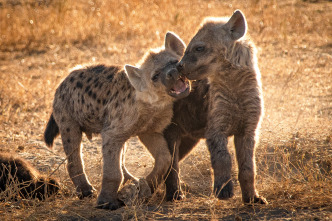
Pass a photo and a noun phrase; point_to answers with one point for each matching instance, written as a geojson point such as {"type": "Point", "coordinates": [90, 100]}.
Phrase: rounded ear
{"type": "Point", "coordinates": [237, 25]}
{"type": "Point", "coordinates": [135, 77]}
{"type": "Point", "coordinates": [174, 43]}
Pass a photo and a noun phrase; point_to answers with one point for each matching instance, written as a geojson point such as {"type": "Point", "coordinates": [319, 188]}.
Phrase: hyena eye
{"type": "Point", "coordinates": [200, 48]}
{"type": "Point", "coordinates": [155, 77]}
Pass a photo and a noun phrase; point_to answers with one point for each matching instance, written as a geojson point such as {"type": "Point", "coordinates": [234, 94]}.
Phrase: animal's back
{"type": "Point", "coordinates": [91, 94]}
{"type": "Point", "coordinates": [15, 168]}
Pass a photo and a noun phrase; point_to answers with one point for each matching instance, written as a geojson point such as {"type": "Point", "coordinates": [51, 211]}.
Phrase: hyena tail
{"type": "Point", "coordinates": [51, 131]}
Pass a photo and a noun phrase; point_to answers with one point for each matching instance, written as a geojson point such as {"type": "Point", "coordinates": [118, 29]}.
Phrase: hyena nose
{"type": "Point", "coordinates": [171, 74]}
{"type": "Point", "coordinates": [180, 66]}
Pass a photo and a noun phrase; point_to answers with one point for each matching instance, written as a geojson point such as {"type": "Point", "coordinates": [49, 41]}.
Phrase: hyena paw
{"type": "Point", "coordinates": [174, 195]}
{"type": "Point", "coordinates": [134, 192]}
{"type": "Point", "coordinates": [223, 191]}
{"type": "Point", "coordinates": [111, 205]}
{"type": "Point", "coordinates": [255, 200]}
{"type": "Point", "coordinates": [87, 193]}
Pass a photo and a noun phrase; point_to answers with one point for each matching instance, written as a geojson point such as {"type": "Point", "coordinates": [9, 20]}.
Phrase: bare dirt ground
{"type": "Point", "coordinates": [40, 41]}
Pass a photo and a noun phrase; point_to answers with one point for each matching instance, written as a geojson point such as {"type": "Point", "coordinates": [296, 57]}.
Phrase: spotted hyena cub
{"type": "Point", "coordinates": [220, 53]}
{"type": "Point", "coordinates": [19, 178]}
{"type": "Point", "coordinates": [118, 104]}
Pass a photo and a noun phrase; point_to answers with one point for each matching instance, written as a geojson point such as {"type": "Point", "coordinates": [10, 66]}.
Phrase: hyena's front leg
{"type": "Point", "coordinates": [71, 135]}
{"type": "Point", "coordinates": [221, 162]}
{"type": "Point", "coordinates": [112, 174]}
{"type": "Point", "coordinates": [172, 135]}
{"type": "Point", "coordinates": [157, 146]}
{"type": "Point", "coordinates": [245, 154]}
{"type": "Point", "coordinates": [179, 147]}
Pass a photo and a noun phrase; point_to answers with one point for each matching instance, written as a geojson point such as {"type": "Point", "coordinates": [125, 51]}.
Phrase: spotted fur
{"type": "Point", "coordinates": [118, 104]}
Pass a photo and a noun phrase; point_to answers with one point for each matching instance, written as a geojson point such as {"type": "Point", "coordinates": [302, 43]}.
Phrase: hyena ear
{"type": "Point", "coordinates": [174, 43]}
{"type": "Point", "coordinates": [237, 25]}
{"type": "Point", "coordinates": [135, 77]}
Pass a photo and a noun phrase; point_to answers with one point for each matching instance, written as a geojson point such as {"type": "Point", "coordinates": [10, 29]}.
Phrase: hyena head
{"type": "Point", "coordinates": [157, 78]}
{"type": "Point", "coordinates": [217, 40]}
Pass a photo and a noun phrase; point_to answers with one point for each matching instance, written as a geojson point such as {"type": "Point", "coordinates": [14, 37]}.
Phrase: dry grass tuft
{"type": "Point", "coordinates": [40, 40]}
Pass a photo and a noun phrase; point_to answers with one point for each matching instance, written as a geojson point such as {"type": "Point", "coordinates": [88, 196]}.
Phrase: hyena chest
{"type": "Point", "coordinates": [231, 108]}
{"type": "Point", "coordinates": [154, 120]}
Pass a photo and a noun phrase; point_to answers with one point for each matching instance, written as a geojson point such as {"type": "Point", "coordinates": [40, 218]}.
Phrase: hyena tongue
{"type": "Point", "coordinates": [179, 86]}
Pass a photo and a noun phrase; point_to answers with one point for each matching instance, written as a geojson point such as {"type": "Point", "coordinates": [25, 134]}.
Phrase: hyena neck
{"type": "Point", "coordinates": [150, 100]}
{"type": "Point", "coordinates": [235, 78]}
{"type": "Point", "coordinates": [242, 54]}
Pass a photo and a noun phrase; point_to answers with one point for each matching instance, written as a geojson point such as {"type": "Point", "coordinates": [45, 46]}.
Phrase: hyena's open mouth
{"type": "Point", "coordinates": [181, 88]}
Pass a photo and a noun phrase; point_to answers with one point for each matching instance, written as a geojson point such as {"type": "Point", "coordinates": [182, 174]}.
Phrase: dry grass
{"type": "Point", "coordinates": [41, 40]}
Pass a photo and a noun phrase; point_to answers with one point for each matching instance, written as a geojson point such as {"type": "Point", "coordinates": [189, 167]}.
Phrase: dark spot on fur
{"type": "Point", "coordinates": [97, 108]}
{"type": "Point", "coordinates": [62, 97]}
{"type": "Point", "coordinates": [96, 84]}
{"type": "Point", "coordinates": [81, 75]}
{"type": "Point", "coordinates": [123, 87]}
{"type": "Point", "coordinates": [116, 94]}
{"type": "Point", "coordinates": [74, 88]}
{"type": "Point", "coordinates": [87, 88]}
{"type": "Point", "coordinates": [68, 140]}
{"type": "Point", "coordinates": [68, 129]}
{"type": "Point", "coordinates": [100, 85]}
{"type": "Point", "coordinates": [110, 77]}
{"type": "Point", "coordinates": [83, 101]}
{"type": "Point", "coordinates": [97, 69]}
{"type": "Point", "coordinates": [90, 93]}
{"type": "Point", "coordinates": [98, 101]}
{"type": "Point", "coordinates": [63, 119]}
{"type": "Point", "coordinates": [104, 101]}
{"type": "Point", "coordinates": [94, 96]}
{"type": "Point", "coordinates": [129, 95]}
{"type": "Point", "coordinates": [96, 80]}
{"type": "Point", "coordinates": [71, 79]}
{"type": "Point", "coordinates": [89, 79]}
{"type": "Point", "coordinates": [116, 104]}
{"type": "Point", "coordinates": [108, 92]}
{"type": "Point", "coordinates": [79, 84]}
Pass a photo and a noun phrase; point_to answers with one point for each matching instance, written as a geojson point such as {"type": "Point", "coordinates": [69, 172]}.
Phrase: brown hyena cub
{"type": "Point", "coordinates": [118, 104]}
{"type": "Point", "coordinates": [25, 181]}
{"type": "Point", "coordinates": [219, 52]}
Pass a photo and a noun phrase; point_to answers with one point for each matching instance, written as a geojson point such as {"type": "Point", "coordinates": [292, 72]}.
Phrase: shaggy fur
{"type": "Point", "coordinates": [219, 53]}
{"type": "Point", "coordinates": [118, 104]}
{"type": "Point", "coordinates": [25, 181]}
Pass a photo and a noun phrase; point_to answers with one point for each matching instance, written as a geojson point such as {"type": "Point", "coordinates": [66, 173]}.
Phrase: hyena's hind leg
{"type": "Point", "coordinates": [71, 135]}
{"type": "Point", "coordinates": [126, 174]}
{"type": "Point", "coordinates": [157, 146]}
{"type": "Point", "coordinates": [245, 154]}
